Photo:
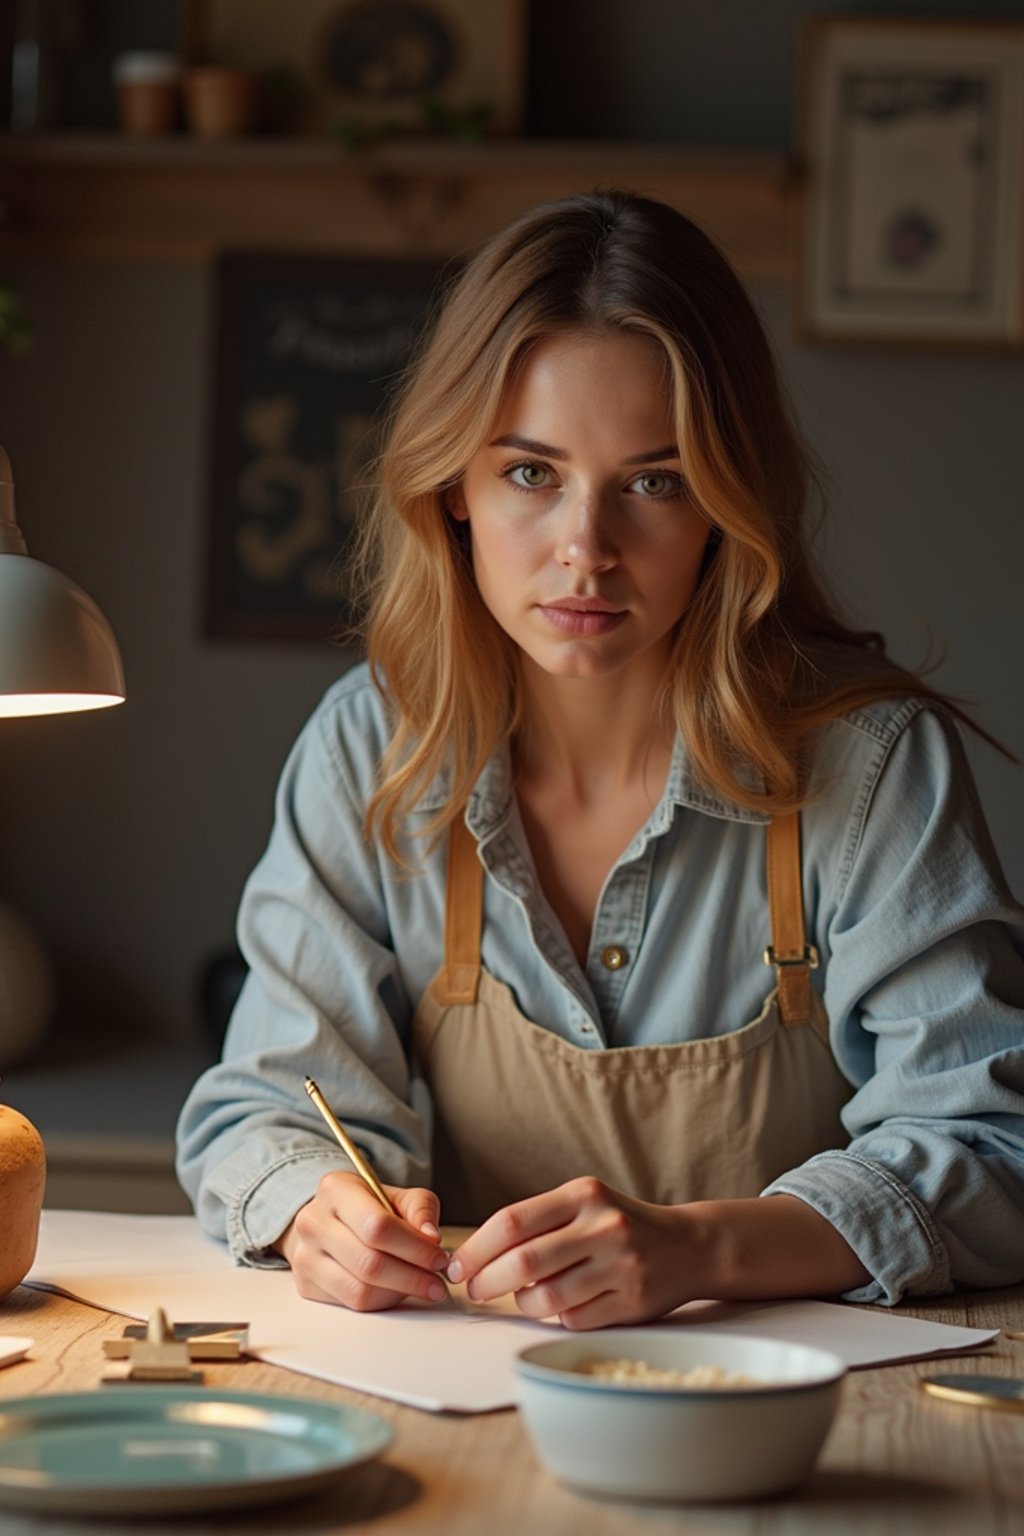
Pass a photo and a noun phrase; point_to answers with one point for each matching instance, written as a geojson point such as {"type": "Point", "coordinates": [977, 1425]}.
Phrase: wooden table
{"type": "Point", "coordinates": [897, 1463]}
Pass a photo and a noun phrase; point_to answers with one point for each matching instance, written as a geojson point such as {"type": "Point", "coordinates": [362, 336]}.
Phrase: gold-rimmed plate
{"type": "Point", "coordinates": [977, 1391]}
{"type": "Point", "coordinates": [175, 1450]}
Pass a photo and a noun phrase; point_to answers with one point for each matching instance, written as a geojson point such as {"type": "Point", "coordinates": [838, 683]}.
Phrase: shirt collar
{"type": "Point", "coordinates": [683, 788]}
{"type": "Point", "coordinates": [490, 801]}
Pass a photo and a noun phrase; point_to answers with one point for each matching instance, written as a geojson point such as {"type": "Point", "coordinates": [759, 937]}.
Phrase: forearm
{"type": "Point", "coordinates": [760, 1248]}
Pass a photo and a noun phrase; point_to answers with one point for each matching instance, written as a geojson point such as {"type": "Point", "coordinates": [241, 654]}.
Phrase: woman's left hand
{"type": "Point", "coordinates": [595, 1256]}
{"type": "Point", "coordinates": [587, 1253]}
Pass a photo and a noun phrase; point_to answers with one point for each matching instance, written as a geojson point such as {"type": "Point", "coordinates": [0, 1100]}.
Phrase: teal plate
{"type": "Point", "coordinates": [175, 1450]}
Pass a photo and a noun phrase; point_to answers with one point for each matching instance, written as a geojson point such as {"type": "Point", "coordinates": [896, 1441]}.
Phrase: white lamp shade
{"type": "Point", "coordinates": [57, 651]}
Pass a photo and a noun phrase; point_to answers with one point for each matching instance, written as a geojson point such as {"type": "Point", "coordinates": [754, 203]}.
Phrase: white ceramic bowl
{"type": "Point", "coordinates": [678, 1443]}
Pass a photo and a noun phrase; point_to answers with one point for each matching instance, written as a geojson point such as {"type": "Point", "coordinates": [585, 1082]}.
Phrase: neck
{"type": "Point", "coordinates": [594, 736]}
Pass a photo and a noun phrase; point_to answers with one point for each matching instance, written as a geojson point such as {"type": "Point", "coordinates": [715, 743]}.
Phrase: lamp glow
{"type": "Point", "coordinates": [57, 651]}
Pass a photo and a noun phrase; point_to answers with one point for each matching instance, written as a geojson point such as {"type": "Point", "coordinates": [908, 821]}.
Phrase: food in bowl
{"type": "Point", "coordinates": [638, 1373]}
{"type": "Point", "coordinates": [664, 1440]}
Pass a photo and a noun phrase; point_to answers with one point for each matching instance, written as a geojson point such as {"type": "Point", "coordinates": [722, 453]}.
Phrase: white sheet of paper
{"type": "Point", "coordinates": [13, 1348]}
{"type": "Point", "coordinates": [434, 1358]}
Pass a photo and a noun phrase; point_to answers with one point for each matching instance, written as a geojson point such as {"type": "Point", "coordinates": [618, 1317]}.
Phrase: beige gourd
{"type": "Point", "coordinates": [22, 1176]}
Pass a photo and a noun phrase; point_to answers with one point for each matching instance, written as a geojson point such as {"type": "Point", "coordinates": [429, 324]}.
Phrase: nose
{"type": "Point", "coordinates": [586, 540]}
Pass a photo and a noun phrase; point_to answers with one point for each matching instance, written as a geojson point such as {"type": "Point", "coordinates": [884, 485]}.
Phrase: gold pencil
{"type": "Point", "coordinates": [349, 1147]}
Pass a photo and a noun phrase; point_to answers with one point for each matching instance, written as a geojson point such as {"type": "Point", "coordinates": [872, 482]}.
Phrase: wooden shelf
{"type": "Point", "coordinates": [103, 197]}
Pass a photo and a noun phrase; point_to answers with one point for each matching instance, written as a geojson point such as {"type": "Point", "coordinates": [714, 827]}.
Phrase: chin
{"type": "Point", "coordinates": [579, 663]}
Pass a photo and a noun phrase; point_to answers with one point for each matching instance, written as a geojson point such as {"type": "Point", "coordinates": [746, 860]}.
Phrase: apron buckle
{"type": "Point", "coordinates": [810, 958]}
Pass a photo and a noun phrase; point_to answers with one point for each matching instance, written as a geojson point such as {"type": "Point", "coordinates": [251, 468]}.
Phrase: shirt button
{"type": "Point", "coordinates": [614, 957]}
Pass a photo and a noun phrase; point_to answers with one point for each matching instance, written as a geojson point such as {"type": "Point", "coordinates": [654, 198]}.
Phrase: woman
{"type": "Point", "coordinates": [613, 752]}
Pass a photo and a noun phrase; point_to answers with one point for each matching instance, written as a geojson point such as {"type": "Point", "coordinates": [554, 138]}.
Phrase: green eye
{"type": "Point", "coordinates": [533, 474]}
{"type": "Point", "coordinates": [657, 484]}
{"type": "Point", "coordinates": [528, 477]}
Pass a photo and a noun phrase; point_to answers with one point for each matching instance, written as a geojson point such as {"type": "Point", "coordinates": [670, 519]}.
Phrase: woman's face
{"type": "Point", "coordinates": [586, 546]}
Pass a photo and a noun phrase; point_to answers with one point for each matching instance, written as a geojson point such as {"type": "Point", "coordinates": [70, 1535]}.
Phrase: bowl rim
{"type": "Point", "coordinates": [834, 1368]}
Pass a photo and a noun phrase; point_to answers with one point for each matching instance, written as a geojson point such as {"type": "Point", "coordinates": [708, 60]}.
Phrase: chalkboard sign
{"type": "Point", "coordinates": [308, 350]}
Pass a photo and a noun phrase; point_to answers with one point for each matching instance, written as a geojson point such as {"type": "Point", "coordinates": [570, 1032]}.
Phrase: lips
{"type": "Point", "coordinates": [584, 616]}
{"type": "Point", "coordinates": [584, 605]}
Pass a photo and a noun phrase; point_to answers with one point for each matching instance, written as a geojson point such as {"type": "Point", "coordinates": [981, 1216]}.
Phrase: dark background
{"type": "Point", "coordinates": [125, 838]}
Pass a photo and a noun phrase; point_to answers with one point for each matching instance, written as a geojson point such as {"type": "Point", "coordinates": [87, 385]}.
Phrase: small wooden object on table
{"type": "Point", "coordinates": [162, 1353]}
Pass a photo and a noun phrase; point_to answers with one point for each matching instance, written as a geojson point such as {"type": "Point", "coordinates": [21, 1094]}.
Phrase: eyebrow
{"type": "Point", "coordinates": [546, 451]}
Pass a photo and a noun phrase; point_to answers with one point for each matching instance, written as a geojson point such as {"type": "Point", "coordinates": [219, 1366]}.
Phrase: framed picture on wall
{"type": "Point", "coordinates": [309, 349]}
{"type": "Point", "coordinates": [912, 137]}
{"type": "Point", "coordinates": [377, 63]}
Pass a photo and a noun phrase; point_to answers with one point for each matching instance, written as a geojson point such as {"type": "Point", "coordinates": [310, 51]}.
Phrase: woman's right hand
{"type": "Point", "coordinates": [344, 1247]}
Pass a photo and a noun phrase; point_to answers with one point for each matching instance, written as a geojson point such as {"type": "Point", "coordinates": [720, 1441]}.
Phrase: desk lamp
{"type": "Point", "coordinates": [57, 653]}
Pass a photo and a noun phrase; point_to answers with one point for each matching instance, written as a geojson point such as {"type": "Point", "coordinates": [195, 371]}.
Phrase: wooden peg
{"type": "Point", "coordinates": [204, 1341]}
{"type": "Point", "coordinates": [157, 1357]}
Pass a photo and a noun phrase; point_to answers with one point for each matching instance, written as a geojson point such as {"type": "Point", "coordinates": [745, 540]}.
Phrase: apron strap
{"type": "Point", "coordinates": [463, 915]}
{"type": "Point", "coordinates": [793, 958]}
{"type": "Point", "coordinates": [790, 954]}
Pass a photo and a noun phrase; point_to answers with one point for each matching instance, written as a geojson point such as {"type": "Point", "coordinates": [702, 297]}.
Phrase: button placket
{"type": "Point", "coordinates": [582, 1025]}
{"type": "Point", "coordinates": [618, 924]}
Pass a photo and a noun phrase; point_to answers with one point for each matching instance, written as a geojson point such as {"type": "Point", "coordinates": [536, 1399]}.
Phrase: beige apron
{"type": "Point", "coordinates": [519, 1110]}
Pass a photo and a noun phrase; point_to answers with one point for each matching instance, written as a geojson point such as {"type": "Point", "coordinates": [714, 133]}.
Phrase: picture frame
{"type": "Point", "coordinates": [912, 147]}
{"type": "Point", "coordinates": [377, 64]}
{"type": "Point", "coordinates": [308, 351]}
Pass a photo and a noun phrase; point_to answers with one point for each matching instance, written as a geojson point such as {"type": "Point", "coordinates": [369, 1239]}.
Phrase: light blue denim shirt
{"type": "Point", "coordinates": [922, 973]}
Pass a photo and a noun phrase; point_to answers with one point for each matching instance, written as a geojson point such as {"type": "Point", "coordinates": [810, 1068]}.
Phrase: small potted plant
{"type": "Point", "coordinates": [14, 331]}
{"type": "Point", "coordinates": [221, 102]}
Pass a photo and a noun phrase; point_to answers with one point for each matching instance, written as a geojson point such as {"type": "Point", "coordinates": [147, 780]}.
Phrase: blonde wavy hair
{"type": "Point", "coordinates": [742, 686]}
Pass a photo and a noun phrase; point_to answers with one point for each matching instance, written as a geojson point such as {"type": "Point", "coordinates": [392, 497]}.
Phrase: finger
{"type": "Point", "coordinates": [317, 1273]}
{"type": "Point", "coordinates": [353, 1248]}
{"type": "Point", "coordinates": [506, 1231]}
{"type": "Point", "coordinates": [380, 1230]}
{"type": "Point", "coordinates": [588, 1214]}
{"type": "Point", "coordinates": [362, 1277]}
{"type": "Point", "coordinates": [373, 1263]}
{"type": "Point", "coordinates": [311, 1290]}
{"type": "Point", "coordinates": [319, 1277]}
{"type": "Point", "coordinates": [538, 1262]}
{"type": "Point", "coordinates": [421, 1209]}
{"type": "Point", "coordinates": [563, 1290]}
{"type": "Point", "coordinates": [602, 1311]}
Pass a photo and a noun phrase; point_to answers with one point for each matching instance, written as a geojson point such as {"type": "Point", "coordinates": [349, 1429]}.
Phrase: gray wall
{"type": "Point", "coordinates": [708, 72]}
{"type": "Point", "coordinates": [125, 837]}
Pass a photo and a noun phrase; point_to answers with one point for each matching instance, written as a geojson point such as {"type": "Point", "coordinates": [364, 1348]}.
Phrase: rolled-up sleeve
{"type": "Point", "coordinates": [925, 992]}
{"type": "Point", "coordinates": [324, 997]}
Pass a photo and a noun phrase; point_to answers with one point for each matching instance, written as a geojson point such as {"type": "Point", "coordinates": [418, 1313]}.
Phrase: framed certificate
{"type": "Point", "coordinates": [912, 138]}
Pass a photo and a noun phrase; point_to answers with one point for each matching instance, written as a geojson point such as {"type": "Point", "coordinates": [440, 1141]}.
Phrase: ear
{"type": "Point", "coordinates": [454, 502]}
